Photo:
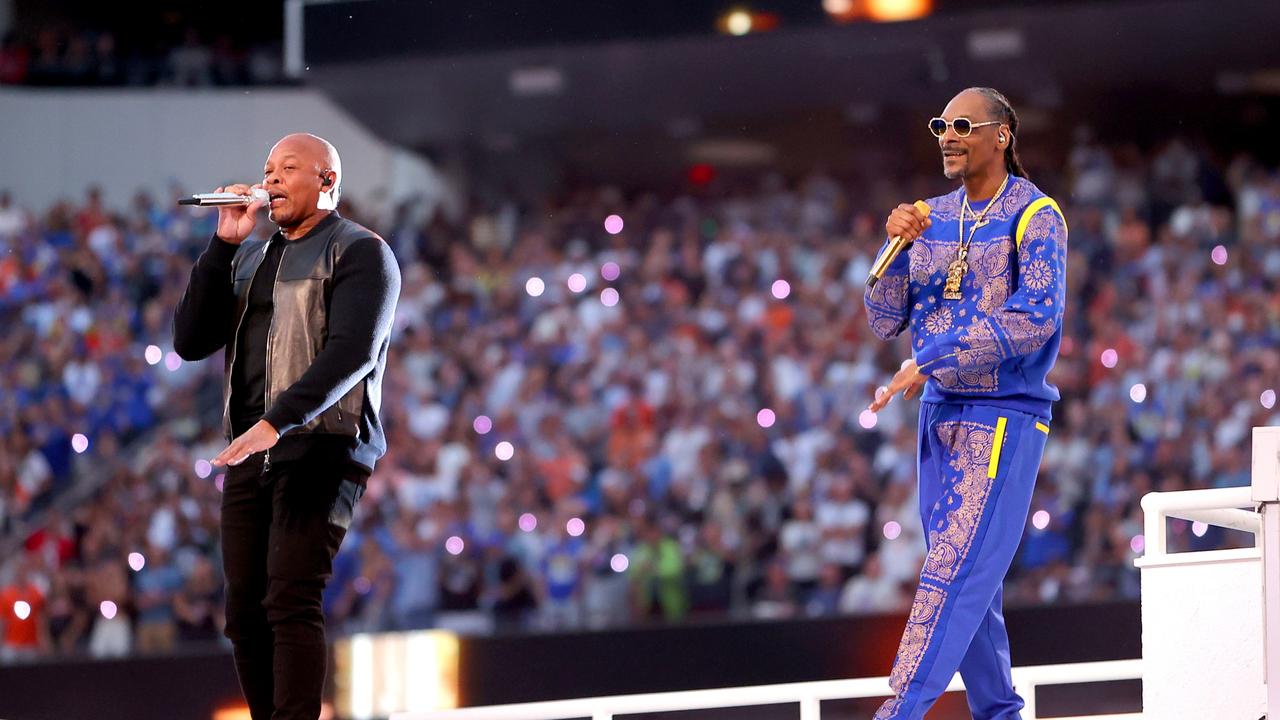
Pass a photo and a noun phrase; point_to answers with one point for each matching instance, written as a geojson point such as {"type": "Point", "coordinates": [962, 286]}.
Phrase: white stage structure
{"type": "Point", "coordinates": [1210, 628]}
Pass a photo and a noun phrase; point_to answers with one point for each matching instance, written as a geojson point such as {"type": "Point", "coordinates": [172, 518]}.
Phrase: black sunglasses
{"type": "Point", "coordinates": [962, 125]}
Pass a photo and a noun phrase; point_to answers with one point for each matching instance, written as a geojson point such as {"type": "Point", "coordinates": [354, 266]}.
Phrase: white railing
{"type": "Point", "coordinates": [1219, 506]}
{"type": "Point", "coordinates": [808, 694]}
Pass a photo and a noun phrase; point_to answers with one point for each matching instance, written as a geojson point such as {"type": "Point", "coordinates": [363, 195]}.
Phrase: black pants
{"type": "Point", "coordinates": [280, 531]}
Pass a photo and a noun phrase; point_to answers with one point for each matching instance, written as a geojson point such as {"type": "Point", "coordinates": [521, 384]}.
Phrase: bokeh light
{"type": "Point", "coordinates": [1138, 392]}
{"type": "Point", "coordinates": [137, 561]}
{"type": "Point", "coordinates": [528, 522]}
{"type": "Point", "coordinates": [362, 585]}
{"type": "Point", "coordinates": [22, 609]}
{"type": "Point", "coordinates": [153, 354]}
{"type": "Point", "coordinates": [613, 224]}
{"type": "Point", "coordinates": [619, 563]}
{"type": "Point", "coordinates": [454, 545]}
{"type": "Point", "coordinates": [1110, 357]}
{"type": "Point", "coordinates": [504, 450]}
{"type": "Point", "coordinates": [868, 419]}
{"type": "Point", "coordinates": [838, 7]}
{"type": "Point", "coordinates": [1219, 255]}
{"type": "Point", "coordinates": [575, 527]}
{"type": "Point", "coordinates": [610, 271]}
{"type": "Point", "coordinates": [892, 530]}
{"type": "Point", "coordinates": [1040, 520]}
{"type": "Point", "coordinates": [108, 609]}
{"type": "Point", "coordinates": [1268, 398]}
{"type": "Point", "coordinates": [482, 424]}
{"type": "Point", "coordinates": [738, 22]}
{"type": "Point", "coordinates": [79, 442]}
{"type": "Point", "coordinates": [781, 289]}
{"type": "Point", "coordinates": [203, 468]}
{"type": "Point", "coordinates": [534, 286]}
{"type": "Point", "coordinates": [1199, 529]}
{"type": "Point", "coordinates": [1138, 543]}
{"type": "Point", "coordinates": [577, 282]}
{"type": "Point", "coordinates": [609, 297]}
{"type": "Point", "coordinates": [172, 361]}
{"type": "Point", "coordinates": [765, 418]}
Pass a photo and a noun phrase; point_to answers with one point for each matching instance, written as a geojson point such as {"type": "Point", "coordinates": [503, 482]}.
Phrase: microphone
{"type": "Point", "coordinates": [220, 199]}
{"type": "Point", "coordinates": [896, 244]}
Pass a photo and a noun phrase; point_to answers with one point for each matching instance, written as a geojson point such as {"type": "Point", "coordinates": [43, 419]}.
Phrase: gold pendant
{"type": "Point", "coordinates": [955, 273]}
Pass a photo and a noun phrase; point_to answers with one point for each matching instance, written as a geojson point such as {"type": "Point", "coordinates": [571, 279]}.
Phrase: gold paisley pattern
{"type": "Point", "coordinates": [978, 361]}
{"type": "Point", "coordinates": [916, 637]}
{"type": "Point", "coordinates": [994, 293]}
{"type": "Point", "coordinates": [921, 257]}
{"type": "Point", "coordinates": [1038, 275]}
{"type": "Point", "coordinates": [970, 445]}
{"type": "Point", "coordinates": [994, 261]}
{"type": "Point", "coordinates": [887, 305]}
{"type": "Point", "coordinates": [1026, 332]}
{"type": "Point", "coordinates": [939, 321]}
{"type": "Point", "coordinates": [949, 544]}
{"type": "Point", "coordinates": [946, 207]}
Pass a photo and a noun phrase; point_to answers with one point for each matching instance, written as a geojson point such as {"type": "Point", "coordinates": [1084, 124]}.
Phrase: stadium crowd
{"type": "Point", "coordinates": [655, 417]}
{"type": "Point", "coordinates": [58, 55]}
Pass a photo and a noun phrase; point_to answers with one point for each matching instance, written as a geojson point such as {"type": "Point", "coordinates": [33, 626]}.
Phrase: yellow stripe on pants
{"type": "Point", "coordinates": [995, 448]}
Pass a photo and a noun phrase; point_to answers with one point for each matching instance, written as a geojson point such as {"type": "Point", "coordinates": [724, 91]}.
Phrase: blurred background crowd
{"type": "Point", "coordinates": [79, 44]}
{"type": "Point", "coordinates": [611, 407]}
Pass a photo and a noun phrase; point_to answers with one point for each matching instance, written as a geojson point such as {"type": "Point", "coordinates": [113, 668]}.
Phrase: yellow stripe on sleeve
{"type": "Point", "coordinates": [1042, 428]}
{"type": "Point", "coordinates": [1030, 212]}
{"type": "Point", "coordinates": [995, 448]}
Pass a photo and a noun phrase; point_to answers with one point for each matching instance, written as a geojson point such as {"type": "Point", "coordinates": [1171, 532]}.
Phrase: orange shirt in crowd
{"type": "Point", "coordinates": [21, 633]}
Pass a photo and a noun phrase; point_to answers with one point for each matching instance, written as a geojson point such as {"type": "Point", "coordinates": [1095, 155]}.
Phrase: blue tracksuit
{"type": "Point", "coordinates": [984, 420]}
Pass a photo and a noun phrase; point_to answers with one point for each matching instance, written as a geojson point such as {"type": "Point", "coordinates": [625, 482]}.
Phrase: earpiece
{"type": "Point", "coordinates": [326, 180]}
{"type": "Point", "coordinates": [1002, 137]}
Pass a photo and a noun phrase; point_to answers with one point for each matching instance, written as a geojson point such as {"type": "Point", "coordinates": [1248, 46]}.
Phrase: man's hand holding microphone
{"type": "Point", "coordinates": [905, 224]}
{"type": "Point", "coordinates": [237, 219]}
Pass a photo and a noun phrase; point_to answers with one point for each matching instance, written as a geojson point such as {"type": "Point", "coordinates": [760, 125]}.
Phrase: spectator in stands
{"type": "Point", "coordinates": [24, 618]}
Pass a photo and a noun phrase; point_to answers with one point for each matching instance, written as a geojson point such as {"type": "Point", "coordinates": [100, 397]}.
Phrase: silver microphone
{"type": "Point", "coordinates": [220, 199]}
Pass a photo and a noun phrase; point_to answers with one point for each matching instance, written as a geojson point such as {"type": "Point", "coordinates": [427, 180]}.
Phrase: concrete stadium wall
{"type": "Point", "coordinates": [55, 143]}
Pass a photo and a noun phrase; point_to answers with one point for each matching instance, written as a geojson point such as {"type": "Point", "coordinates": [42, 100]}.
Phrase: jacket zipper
{"type": "Point", "coordinates": [235, 339]}
{"type": "Point", "coordinates": [271, 324]}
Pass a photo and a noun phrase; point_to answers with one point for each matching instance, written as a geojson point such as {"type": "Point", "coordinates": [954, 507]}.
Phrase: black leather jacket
{"type": "Point", "coordinates": [334, 301]}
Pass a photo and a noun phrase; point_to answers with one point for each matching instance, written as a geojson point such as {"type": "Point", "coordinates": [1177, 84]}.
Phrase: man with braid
{"type": "Point", "coordinates": [982, 288]}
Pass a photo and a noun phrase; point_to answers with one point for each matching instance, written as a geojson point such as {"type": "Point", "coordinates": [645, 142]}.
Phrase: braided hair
{"type": "Point", "coordinates": [999, 106]}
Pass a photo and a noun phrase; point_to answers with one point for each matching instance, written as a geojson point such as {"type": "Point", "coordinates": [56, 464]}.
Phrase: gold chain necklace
{"type": "Point", "coordinates": [960, 266]}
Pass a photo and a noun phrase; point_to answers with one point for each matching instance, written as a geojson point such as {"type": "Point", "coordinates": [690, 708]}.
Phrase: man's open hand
{"type": "Point", "coordinates": [256, 439]}
{"type": "Point", "coordinates": [908, 381]}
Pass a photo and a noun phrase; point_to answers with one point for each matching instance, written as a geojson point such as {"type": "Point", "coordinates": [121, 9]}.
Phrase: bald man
{"type": "Point", "coordinates": [306, 318]}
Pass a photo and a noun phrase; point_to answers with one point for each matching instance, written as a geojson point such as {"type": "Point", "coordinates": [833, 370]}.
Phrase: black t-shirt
{"type": "Point", "coordinates": [249, 375]}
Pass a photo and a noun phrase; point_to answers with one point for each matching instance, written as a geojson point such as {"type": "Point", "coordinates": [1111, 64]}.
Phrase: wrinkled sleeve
{"type": "Point", "coordinates": [887, 302]}
{"type": "Point", "coordinates": [1027, 319]}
